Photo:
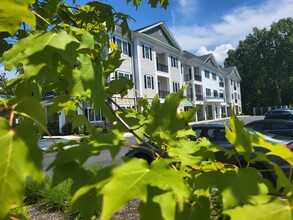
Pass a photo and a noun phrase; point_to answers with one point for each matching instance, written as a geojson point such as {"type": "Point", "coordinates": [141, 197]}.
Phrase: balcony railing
{"type": "Point", "coordinates": [199, 97]}
{"type": "Point", "coordinates": [162, 67]}
{"type": "Point", "coordinates": [221, 84]}
{"type": "Point", "coordinates": [197, 78]}
{"type": "Point", "coordinates": [187, 77]}
{"type": "Point", "coordinates": [163, 94]}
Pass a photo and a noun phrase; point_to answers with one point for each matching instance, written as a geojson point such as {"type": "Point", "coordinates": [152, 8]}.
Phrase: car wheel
{"type": "Point", "coordinates": [143, 156]}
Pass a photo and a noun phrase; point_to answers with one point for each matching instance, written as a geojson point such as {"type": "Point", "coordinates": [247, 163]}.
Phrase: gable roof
{"type": "Point", "coordinates": [210, 60]}
{"type": "Point", "coordinates": [159, 32]}
{"type": "Point", "coordinates": [232, 72]}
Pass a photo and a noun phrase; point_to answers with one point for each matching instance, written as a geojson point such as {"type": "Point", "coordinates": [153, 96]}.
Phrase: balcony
{"type": "Point", "coordinates": [197, 78]}
{"type": "Point", "coordinates": [163, 94]}
{"type": "Point", "coordinates": [162, 67]}
{"type": "Point", "coordinates": [187, 77]}
{"type": "Point", "coordinates": [199, 97]}
{"type": "Point", "coordinates": [221, 84]}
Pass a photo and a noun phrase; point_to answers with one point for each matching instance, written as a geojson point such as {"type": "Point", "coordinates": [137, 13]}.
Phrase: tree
{"type": "Point", "coordinates": [5, 92]}
{"type": "Point", "coordinates": [264, 61]}
{"type": "Point", "coordinates": [62, 49]}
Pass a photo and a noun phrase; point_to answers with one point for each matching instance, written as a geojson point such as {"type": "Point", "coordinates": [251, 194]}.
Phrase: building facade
{"type": "Point", "coordinates": [157, 65]}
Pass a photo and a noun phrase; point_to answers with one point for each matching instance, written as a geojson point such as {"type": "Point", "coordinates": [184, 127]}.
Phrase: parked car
{"type": "Point", "coordinates": [215, 132]}
{"type": "Point", "coordinates": [282, 113]}
{"type": "Point", "coordinates": [277, 127]}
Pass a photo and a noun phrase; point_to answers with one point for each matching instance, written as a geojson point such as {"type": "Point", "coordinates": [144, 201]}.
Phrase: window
{"type": "Point", "coordinates": [146, 52]}
{"type": "Point", "coordinates": [214, 76]}
{"type": "Point", "coordinates": [125, 74]}
{"type": "Point", "coordinates": [215, 93]}
{"type": "Point", "coordinates": [123, 46]}
{"type": "Point", "coordinates": [175, 86]}
{"type": "Point", "coordinates": [174, 61]}
{"type": "Point", "coordinates": [208, 92]}
{"type": "Point", "coordinates": [92, 116]}
{"type": "Point", "coordinates": [207, 74]}
{"type": "Point", "coordinates": [188, 75]}
{"type": "Point", "coordinates": [148, 82]}
{"type": "Point", "coordinates": [232, 96]}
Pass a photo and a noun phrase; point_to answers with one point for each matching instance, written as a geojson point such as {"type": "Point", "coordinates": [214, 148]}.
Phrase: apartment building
{"type": "Point", "coordinates": [157, 65]}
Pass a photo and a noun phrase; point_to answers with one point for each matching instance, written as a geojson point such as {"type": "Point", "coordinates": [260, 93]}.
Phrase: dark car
{"type": "Point", "coordinates": [215, 132]}
{"type": "Point", "coordinates": [273, 126]}
{"type": "Point", "coordinates": [283, 113]}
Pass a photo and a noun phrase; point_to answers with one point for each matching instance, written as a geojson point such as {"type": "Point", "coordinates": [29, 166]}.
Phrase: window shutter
{"type": "Point", "coordinates": [131, 77]}
{"type": "Point", "coordinates": [129, 49]}
{"type": "Point", "coordinates": [116, 75]}
{"type": "Point", "coordinates": [152, 82]}
{"type": "Point", "coordinates": [143, 51]}
{"type": "Point", "coordinates": [174, 87]}
{"type": "Point", "coordinates": [114, 39]}
{"type": "Point", "coordinates": [145, 82]}
{"type": "Point", "coordinates": [151, 54]}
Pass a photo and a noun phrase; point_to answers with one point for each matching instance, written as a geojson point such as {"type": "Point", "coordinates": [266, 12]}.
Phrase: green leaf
{"type": "Point", "coordinates": [121, 86]}
{"type": "Point", "coordinates": [20, 157]}
{"type": "Point", "coordinates": [88, 191]}
{"type": "Point", "coordinates": [159, 205]}
{"type": "Point", "coordinates": [229, 184]}
{"type": "Point", "coordinates": [190, 153]}
{"type": "Point", "coordinates": [131, 179]}
{"type": "Point", "coordinates": [235, 135]}
{"type": "Point", "coordinates": [270, 209]}
{"type": "Point", "coordinates": [37, 54]}
{"type": "Point", "coordinates": [32, 108]}
{"type": "Point", "coordinates": [10, 22]}
{"type": "Point", "coordinates": [167, 125]}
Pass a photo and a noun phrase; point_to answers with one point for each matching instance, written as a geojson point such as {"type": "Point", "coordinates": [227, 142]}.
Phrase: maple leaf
{"type": "Point", "coordinates": [9, 21]}
{"type": "Point", "coordinates": [20, 157]}
{"type": "Point", "coordinates": [130, 180]}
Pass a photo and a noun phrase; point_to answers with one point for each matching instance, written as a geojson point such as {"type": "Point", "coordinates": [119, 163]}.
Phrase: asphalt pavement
{"type": "Point", "coordinates": [105, 157]}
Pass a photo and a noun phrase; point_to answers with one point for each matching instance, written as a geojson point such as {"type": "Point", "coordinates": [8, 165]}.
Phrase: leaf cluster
{"type": "Point", "coordinates": [62, 49]}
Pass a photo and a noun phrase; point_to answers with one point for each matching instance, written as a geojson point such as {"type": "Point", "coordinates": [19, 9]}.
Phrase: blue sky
{"type": "Point", "coordinates": [206, 26]}
{"type": "Point", "coordinates": [209, 26]}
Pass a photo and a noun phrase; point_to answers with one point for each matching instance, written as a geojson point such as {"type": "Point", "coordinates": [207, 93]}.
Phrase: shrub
{"type": "Point", "coordinates": [56, 198]}
{"type": "Point", "coordinates": [67, 129]}
{"type": "Point", "coordinates": [53, 127]}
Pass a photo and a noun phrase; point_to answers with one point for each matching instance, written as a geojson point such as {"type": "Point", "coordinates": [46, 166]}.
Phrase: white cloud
{"type": "Point", "coordinates": [220, 52]}
{"type": "Point", "coordinates": [185, 9]}
{"type": "Point", "coordinates": [232, 28]}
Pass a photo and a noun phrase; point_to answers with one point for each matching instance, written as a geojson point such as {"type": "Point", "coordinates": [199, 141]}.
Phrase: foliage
{"type": "Point", "coordinates": [264, 61]}
{"type": "Point", "coordinates": [67, 129]}
{"type": "Point", "coordinates": [63, 50]}
{"type": "Point", "coordinates": [4, 92]}
{"type": "Point", "coordinates": [53, 127]}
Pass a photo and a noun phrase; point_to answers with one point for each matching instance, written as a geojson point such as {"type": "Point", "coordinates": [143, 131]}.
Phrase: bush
{"type": "Point", "coordinates": [53, 199]}
{"type": "Point", "coordinates": [67, 129]}
{"type": "Point", "coordinates": [56, 198]}
{"type": "Point", "coordinates": [53, 127]}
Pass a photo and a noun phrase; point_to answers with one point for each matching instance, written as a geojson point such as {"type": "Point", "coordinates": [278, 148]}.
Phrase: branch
{"type": "Point", "coordinates": [124, 123]}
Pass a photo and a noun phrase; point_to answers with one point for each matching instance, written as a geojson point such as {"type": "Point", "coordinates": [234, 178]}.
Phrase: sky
{"type": "Point", "coordinates": [206, 26]}
{"type": "Point", "coordinates": [209, 26]}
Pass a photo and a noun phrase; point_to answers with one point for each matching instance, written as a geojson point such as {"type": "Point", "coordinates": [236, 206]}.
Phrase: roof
{"type": "Point", "coordinates": [232, 72]}
{"type": "Point", "coordinates": [205, 57]}
{"type": "Point", "coordinates": [165, 37]}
